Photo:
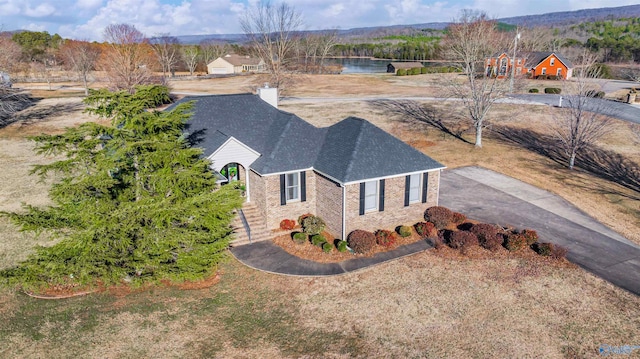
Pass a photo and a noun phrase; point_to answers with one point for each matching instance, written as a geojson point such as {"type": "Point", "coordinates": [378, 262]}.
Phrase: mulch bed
{"type": "Point", "coordinates": [315, 253]}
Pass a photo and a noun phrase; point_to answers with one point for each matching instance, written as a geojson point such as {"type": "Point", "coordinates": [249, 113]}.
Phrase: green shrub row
{"type": "Point", "coordinates": [552, 90]}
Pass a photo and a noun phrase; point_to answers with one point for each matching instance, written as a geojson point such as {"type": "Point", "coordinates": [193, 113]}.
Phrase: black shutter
{"type": "Point", "coordinates": [425, 186]}
{"type": "Point", "coordinates": [381, 198]}
{"type": "Point", "coordinates": [303, 186]}
{"type": "Point", "coordinates": [362, 198]}
{"type": "Point", "coordinates": [283, 191]}
{"type": "Point", "coordinates": [407, 188]}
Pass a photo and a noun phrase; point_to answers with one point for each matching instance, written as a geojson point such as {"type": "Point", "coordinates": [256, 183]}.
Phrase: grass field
{"type": "Point", "coordinates": [433, 304]}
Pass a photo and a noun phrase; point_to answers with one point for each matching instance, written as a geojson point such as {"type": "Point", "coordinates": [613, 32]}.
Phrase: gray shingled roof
{"type": "Point", "coordinates": [350, 150]}
{"type": "Point", "coordinates": [406, 65]}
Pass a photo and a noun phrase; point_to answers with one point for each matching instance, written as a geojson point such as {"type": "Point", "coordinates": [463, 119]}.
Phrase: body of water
{"type": "Point", "coordinates": [365, 65]}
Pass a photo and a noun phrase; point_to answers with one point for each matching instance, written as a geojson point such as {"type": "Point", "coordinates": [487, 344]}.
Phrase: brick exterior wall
{"type": "Point", "coordinates": [395, 213]}
{"type": "Point", "coordinates": [324, 198]}
{"type": "Point", "coordinates": [329, 204]}
{"type": "Point", "coordinates": [258, 192]}
{"type": "Point", "coordinates": [276, 212]}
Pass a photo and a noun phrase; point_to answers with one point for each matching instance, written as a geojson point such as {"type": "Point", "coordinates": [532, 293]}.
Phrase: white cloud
{"type": "Point", "coordinates": [41, 10]}
{"type": "Point", "coordinates": [88, 4]}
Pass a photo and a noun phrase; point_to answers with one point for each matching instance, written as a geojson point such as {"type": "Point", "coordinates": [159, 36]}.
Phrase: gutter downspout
{"type": "Point", "coordinates": [438, 191]}
{"type": "Point", "coordinates": [344, 213]}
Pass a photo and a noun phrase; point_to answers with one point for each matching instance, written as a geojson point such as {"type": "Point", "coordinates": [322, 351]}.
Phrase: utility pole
{"type": "Point", "coordinates": [513, 64]}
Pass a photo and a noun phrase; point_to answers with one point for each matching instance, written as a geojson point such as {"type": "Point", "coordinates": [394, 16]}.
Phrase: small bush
{"type": "Point", "coordinates": [287, 224]}
{"type": "Point", "coordinates": [530, 236]}
{"type": "Point", "coordinates": [327, 247]}
{"type": "Point", "coordinates": [318, 240]}
{"type": "Point", "coordinates": [302, 217]}
{"type": "Point", "coordinates": [401, 72]}
{"type": "Point", "coordinates": [415, 71]}
{"type": "Point", "coordinates": [595, 94]}
{"type": "Point", "coordinates": [313, 225]}
{"type": "Point", "coordinates": [439, 241]}
{"type": "Point", "coordinates": [550, 250]}
{"type": "Point", "coordinates": [404, 231]}
{"type": "Point", "coordinates": [462, 240]}
{"type": "Point", "coordinates": [488, 235]}
{"type": "Point", "coordinates": [342, 246]}
{"type": "Point", "coordinates": [439, 216]}
{"type": "Point", "coordinates": [552, 90]}
{"type": "Point", "coordinates": [458, 218]}
{"type": "Point", "coordinates": [558, 252]}
{"type": "Point", "coordinates": [515, 242]}
{"type": "Point", "coordinates": [425, 229]}
{"type": "Point", "coordinates": [385, 238]}
{"type": "Point", "coordinates": [423, 70]}
{"type": "Point", "coordinates": [361, 241]}
{"type": "Point", "coordinates": [533, 91]}
{"type": "Point", "coordinates": [299, 237]}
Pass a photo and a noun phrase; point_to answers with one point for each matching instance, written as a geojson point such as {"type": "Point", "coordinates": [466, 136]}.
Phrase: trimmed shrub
{"type": "Point", "coordinates": [515, 242]}
{"type": "Point", "coordinates": [423, 70]}
{"type": "Point", "coordinates": [342, 246]}
{"type": "Point", "coordinates": [462, 239]}
{"type": "Point", "coordinates": [595, 94]}
{"type": "Point", "coordinates": [439, 216]}
{"type": "Point", "coordinates": [361, 241]}
{"type": "Point", "coordinates": [287, 224]}
{"type": "Point", "coordinates": [312, 225]}
{"type": "Point", "coordinates": [488, 235]}
{"type": "Point", "coordinates": [415, 71]}
{"type": "Point", "coordinates": [404, 231]}
{"type": "Point", "coordinates": [533, 91]}
{"type": "Point", "coordinates": [458, 218]}
{"type": "Point", "coordinates": [439, 240]}
{"type": "Point", "coordinates": [385, 238]}
{"type": "Point", "coordinates": [401, 72]}
{"type": "Point", "coordinates": [550, 250]}
{"type": "Point", "coordinates": [299, 237]}
{"type": "Point", "coordinates": [327, 247]}
{"type": "Point", "coordinates": [530, 236]}
{"type": "Point", "coordinates": [558, 252]}
{"type": "Point", "coordinates": [425, 229]}
{"type": "Point", "coordinates": [318, 240]}
{"type": "Point", "coordinates": [552, 90]}
{"type": "Point", "coordinates": [302, 217]}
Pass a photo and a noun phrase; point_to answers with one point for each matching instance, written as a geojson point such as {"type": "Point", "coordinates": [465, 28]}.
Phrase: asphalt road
{"type": "Point", "coordinates": [490, 197]}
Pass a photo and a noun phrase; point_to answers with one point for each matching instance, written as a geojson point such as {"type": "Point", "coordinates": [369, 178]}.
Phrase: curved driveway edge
{"type": "Point", "coordinates": [269, 257]}
{"type": "Point", "coordinates": [491, 197]}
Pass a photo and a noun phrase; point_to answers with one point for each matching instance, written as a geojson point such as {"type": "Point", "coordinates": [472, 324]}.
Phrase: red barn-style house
{"type": "Point", "coordinates": [536, 64]}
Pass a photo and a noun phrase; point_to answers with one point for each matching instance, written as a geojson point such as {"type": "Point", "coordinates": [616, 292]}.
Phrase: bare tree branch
{"type": "Point", "coordinates": [191, 57]}
{"type": "Point", "coordinates": [127, 59]}
{"type": "Point", "coordinates": [167, 50]}
{"type": "Point", "coordinates": [81, 56]}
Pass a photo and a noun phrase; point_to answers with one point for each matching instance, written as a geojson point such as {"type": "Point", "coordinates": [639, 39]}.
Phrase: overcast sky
{"type": "Point", "coordinates": [86, 19]}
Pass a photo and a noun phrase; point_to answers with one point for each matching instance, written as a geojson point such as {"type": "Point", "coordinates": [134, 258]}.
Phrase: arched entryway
{"type": "Point", "coordinates": [235, 173]}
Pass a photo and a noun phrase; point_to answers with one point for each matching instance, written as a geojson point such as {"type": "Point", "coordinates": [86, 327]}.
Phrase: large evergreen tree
{"type": "Point", "coordinates": [135, 202]}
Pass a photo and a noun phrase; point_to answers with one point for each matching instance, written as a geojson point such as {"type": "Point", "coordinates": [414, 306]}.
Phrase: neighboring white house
{"type": "Point", "coordinates": [233, 64]}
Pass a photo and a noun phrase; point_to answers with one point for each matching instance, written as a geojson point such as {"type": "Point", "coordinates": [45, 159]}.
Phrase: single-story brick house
{"type": "Point", "coordinates": [234, 64]}
{"type": "Point", "coordinates": [393, 67]}
{"type": "Point", "coordinates": [352, 174]}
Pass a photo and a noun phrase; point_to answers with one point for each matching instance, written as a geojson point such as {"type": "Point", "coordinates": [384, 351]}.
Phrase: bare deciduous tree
{"type": "Point", "coordinates": [211, 50]}
{"type": "Point", "coordinates": [313, 49]}
{"type": "Point", "coordinates": [127, 59]}
{"type": "Point", "coordinates": [470, 40]}
{"type": "Point", "coordinates": [10, 54]}
{"type": "Point", "coordinates": [191, 57]}
{"type": "Point", "coordinates": [81, 57]}
{"type": "Point", "coordinates": [167, 50]}
{"type": "Point", "coordinates": [580, 122]}
{"type": "Point", "coordinates": [273, 34]}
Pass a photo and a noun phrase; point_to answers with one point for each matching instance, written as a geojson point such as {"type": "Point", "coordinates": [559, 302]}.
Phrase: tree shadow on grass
{"type": "Point", "coordinates": [602, 163]}
{"type": "Point", "coordinates": [30, 115]}
{"type": "Point", "coordinates": [412, 111]}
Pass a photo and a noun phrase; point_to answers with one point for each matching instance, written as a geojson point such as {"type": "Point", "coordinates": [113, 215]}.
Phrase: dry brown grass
{"type": "Point", "coordinates": [429, 305]}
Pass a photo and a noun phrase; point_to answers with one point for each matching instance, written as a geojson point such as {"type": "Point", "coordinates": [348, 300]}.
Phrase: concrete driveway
{"type": "Point", "coordinates": [491, 197]}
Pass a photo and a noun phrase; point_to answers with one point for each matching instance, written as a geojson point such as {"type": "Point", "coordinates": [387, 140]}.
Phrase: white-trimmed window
{"type": "Point", "coordinates": [559, 72]}
{"type": "Point", "coordinates": [544, 71]}
{"type": "Point", "coordinates": [292, 186]}
{"type": "Point", "coordinates": [414, 187]}
{"type": "Point", "coordinates": [371, 196]}
{"type": "Point", "coordinates": [552, 61]}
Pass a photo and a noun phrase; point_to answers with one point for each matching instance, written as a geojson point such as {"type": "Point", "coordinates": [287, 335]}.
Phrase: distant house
{"type": "Point", "coordinates": [536, 64]}
{"type": "Point", "coordinates": [550, 64]}
{"type": "Point", "coordinates": [234, 64]}
{"type": "Point", "coordinates": [352, 174]}
{"type": "Point", "coordinates": [395, 66]}
{"type": "Point", "coordinates": [5, 80]}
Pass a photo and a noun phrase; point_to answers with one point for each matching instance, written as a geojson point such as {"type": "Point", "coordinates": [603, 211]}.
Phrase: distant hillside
{"type": "Point", "coordinates": [548, 19]}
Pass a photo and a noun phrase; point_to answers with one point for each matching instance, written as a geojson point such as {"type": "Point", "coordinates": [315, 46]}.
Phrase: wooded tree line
{"type": "Point", "coordinates": [617, 40]}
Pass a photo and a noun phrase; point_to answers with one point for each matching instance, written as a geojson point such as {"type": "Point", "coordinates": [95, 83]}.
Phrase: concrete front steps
{"type": "Point", "coordinates": [259, 231]}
